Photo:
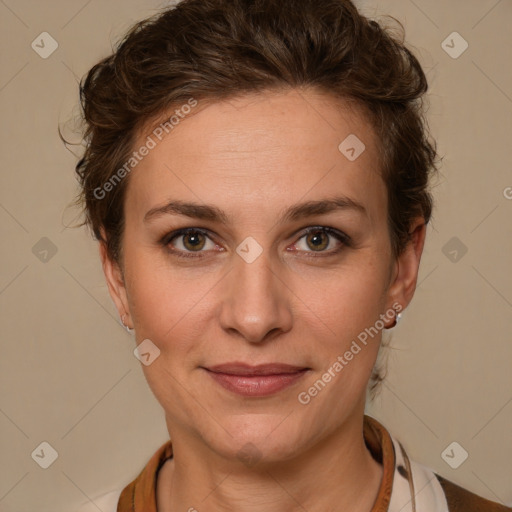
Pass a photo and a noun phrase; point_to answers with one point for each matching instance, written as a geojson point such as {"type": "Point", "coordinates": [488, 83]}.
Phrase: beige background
{"type": "Point", "coordinates": [68, 375]}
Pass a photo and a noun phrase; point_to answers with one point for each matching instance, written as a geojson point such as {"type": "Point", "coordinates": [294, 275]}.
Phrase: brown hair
{"type": "Point", "coordinates": [218, 49]}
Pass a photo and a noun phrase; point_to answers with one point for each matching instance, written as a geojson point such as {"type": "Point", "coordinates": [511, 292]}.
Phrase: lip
{"type": "Point", "coordinates": [256, 380]}
{"type": "Point", "coordinates": [237, 368]}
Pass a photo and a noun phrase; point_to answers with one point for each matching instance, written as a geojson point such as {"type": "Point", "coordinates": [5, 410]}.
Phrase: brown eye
{"type": "Point", "coordinates": [322, 240]}
{"type": "Point", "coordinates": [317, 240]}
{"type": "Point", "coordinates": [189, 241]}
{"type": "Point", "coordinates": [194, 241]}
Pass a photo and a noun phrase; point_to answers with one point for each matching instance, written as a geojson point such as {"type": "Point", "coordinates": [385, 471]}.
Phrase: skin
{"type": "Point", "coordinates": [254, 157]}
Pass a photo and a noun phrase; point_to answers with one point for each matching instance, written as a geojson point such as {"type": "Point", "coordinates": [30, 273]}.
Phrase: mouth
{"type": "Point", "coordinates": [256, 381]}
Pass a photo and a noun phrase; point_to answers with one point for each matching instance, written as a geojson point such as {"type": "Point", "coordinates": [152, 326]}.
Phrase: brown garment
{"type": "Point", "coordinates": [461, 500]}
{"type": "Point", "coordinates": [140, 495]}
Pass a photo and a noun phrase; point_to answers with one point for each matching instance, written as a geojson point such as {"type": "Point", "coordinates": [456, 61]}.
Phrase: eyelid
{"type": "Point", "coordinates": [340, 235]}
{"type": "Point", "coordinates": [168, 237]}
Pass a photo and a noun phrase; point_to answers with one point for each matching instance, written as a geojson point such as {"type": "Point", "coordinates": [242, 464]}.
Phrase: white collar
{"type": "Point", "coordinates": [415, 487]}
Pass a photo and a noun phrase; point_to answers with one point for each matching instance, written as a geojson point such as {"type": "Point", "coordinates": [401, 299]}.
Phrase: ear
{"type": "Point", "coordinates": [405, 269]}
{"type": "Point", "coordinates": [115, 282]}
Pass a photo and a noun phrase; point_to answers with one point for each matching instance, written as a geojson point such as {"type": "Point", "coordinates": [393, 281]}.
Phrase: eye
{"type": "Point", "coordinates": [322, 239]}
{"type": "Point", "coordinates": [188, 240]}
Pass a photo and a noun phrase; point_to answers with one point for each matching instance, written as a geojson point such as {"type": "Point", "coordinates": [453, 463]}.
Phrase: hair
{"type": "Point", "coordinates": [213, 50]}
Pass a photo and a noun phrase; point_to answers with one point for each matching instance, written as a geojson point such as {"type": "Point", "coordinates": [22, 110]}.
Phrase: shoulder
{"type": "Point", "coordinates": [418, 487]}
{"type": "Point", "coordinates": [106, 503]}
{"type": "Point", "coordinates": [462, 500]}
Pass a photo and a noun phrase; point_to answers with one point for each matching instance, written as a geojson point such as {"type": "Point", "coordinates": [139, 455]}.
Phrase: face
{"type": "Point", "coordinates": [252, 242]}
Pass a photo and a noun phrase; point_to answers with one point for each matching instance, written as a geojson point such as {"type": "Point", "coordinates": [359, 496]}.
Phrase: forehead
{"type": "Point", "coordinates": [275, 147]}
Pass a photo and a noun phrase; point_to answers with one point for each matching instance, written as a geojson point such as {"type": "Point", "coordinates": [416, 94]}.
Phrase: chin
{"type": "Point", "coordinates": [256, 438]}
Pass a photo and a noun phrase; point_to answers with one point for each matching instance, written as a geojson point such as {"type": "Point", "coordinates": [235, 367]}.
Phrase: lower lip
{"type": "Point", "coordinates": [256, 385]}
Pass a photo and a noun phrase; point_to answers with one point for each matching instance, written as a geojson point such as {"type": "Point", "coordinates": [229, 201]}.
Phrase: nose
{"type": "Point", "coordinates": [256, 300]}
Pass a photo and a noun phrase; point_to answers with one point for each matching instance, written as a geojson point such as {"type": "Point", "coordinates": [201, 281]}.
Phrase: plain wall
{"type": "Point", "coordinates": [68, 375]}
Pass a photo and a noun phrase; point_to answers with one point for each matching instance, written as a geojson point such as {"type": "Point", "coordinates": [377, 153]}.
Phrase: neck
{"type": "Point", "coordinates": [337, 473]}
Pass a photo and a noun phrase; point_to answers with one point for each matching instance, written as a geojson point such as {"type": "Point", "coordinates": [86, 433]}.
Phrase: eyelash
{"type": "Point", "coordinates": [339, 235]}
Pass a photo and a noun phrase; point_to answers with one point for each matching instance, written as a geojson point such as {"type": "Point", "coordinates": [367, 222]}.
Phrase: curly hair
{"type": "Point", "coordinates": [218, 49]}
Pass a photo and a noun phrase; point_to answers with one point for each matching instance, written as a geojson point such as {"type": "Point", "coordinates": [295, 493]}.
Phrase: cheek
{"type": "Point", "coordinates": [347, 314]}
{"type": "Point", "coordinates": [348, 329]}
{"type": "Point", "coordinates": [171, 308]}
{"type": "Point", "coordinates": [348, 299]}
{"type": "Point", "coordinates": [159, 295]}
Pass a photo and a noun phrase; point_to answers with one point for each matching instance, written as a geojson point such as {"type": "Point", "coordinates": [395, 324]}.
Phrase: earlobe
{"type": "Point", "coordinates": [115, 283]}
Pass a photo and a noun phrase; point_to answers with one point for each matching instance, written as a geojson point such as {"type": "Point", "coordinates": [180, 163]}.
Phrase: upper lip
{"type": "Point", "coordinates": [261, 369]}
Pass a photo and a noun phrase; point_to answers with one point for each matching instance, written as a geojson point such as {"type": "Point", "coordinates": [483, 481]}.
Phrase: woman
{"type": "Point", "coordinates": [256, 173]}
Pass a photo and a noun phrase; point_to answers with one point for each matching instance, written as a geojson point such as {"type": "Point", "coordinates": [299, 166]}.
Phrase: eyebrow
{"type": "Point", "coordinates": [295, 212]}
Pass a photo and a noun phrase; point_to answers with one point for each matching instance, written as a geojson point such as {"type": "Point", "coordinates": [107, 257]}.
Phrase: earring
{"type": "Point", "coordinates": [398, 316]}
{"type": "Point", "coordinates": [126, 326]}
